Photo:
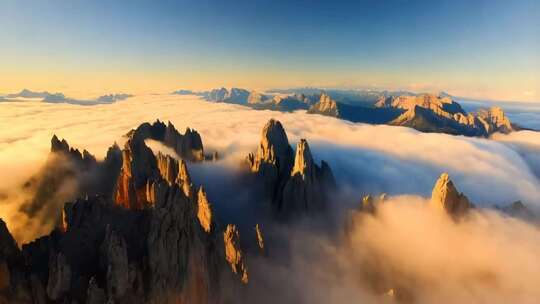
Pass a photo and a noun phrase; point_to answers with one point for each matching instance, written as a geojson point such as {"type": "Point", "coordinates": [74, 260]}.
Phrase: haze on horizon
{"type": "Point", "coordinates": [478, 49]}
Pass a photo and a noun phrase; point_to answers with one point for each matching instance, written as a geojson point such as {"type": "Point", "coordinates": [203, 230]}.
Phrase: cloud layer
{"type": "Point", "coordinates": [405, 248]}
{"type": "Point", "coordinates": [364, 157]}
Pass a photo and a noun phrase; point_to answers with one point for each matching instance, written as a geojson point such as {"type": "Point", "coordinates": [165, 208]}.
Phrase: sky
{"type": "Point", "coordinates": [479, 49]}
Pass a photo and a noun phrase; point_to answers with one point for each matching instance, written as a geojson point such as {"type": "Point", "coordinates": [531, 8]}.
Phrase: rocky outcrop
{"type": "Point", "coordinates": [233, 253]}
{"type": "Point", "coordinates": [325, 106]}
{"type": "Point", "coordinates": [294, 184]}
{"type": "Point", "coordinates": [141, 167]}
{"type": "Point", "coordinates": [445, 197]}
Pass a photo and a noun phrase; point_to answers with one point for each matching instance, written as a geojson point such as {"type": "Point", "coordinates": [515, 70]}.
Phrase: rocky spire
{"type": "Point", "coordinates": [184, 179]}
{"type": "Point", "coordinates": [308, 187]}
{"type": "Point", "coordinates": [233, 253]}
{"type": "Point", "coordinates": [204, 211]}
{"type": "Point", "coordinates": [303, 161]}
{"type": "Point", "coordinates": [293, 182]}
{"type": "Point", "coordinates": [138, 166]}
{"type": "Point", "coordinates": [274, 149]}
{"type": "Point", "coordinates": [446, 197]}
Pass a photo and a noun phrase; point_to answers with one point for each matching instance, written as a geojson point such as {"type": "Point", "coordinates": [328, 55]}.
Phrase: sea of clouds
{"type": "Point", "coordinates": [487, 258]}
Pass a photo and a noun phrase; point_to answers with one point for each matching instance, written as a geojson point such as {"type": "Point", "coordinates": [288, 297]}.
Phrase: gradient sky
{"type": "Point", "coordinates": [481, 49]}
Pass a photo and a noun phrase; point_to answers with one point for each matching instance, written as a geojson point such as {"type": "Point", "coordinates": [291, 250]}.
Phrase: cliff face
{"type": "Point", "coordinates": [295, 183]}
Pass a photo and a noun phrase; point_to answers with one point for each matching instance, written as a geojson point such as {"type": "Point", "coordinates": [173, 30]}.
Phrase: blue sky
{"type": "Point", "coordinates": [477, 48]}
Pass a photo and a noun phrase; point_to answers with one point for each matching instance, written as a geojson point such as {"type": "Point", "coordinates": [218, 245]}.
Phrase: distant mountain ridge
{"type": "Point", "coordinates": [424, 112]}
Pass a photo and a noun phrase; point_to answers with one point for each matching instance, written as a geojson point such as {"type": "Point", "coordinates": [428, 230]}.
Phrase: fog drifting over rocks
{"type": "Point", "coordinates": [486, 258]}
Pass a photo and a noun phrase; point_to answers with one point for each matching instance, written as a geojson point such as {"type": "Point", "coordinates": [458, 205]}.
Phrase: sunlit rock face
{"type": "Point", "coordinates": [446, 197]}
{"type": "Point", "coordinates": [204, 211]}
{"type": "Point", "coordinates": [432, 113]}
{"type": "Point", "coordinates": [138, 166]}
{"type": "Point", "coordinates": [441, 105]}
{"type": "Point", "coordinates": [233, 253]}
{"type": "Point", "coordinates": [495, 120]}
{"type": "Point", "coordinates": [296, 184]}
{"type": "Point", "coordinates": [326, 106]}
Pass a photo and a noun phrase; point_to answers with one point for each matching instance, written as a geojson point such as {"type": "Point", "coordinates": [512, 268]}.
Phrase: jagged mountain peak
{"type": "Point", "coordinates": [446, 197]}
{"type": "Point", "coordinates": [273, 149]}
{"type": "Point", "coordinates": [294, 184]}
{"type": "Point", "coordinates": [274, 139]}
{"type": "Point", "coordinates": [58, 145]}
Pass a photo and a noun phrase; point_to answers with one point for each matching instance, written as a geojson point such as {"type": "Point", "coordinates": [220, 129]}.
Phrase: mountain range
{"type": "Point", "coordinates": [423, 112]}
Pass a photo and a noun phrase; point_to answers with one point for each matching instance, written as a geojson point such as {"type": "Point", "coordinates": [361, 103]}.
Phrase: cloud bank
{"type": "Point", "coordinates": [365, 158]}
{"type": "Point", "coordinates": [406, 250]}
